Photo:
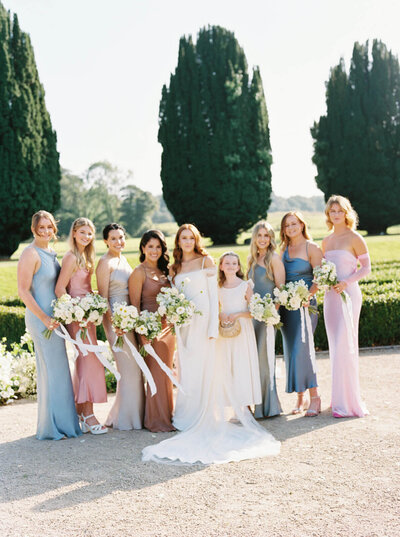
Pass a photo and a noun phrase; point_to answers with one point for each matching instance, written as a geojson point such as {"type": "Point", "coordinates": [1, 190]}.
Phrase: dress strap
{"type": "Point", "coordinates": [307, 248]}
{"type": "Point", "coordinates": [202, 264]}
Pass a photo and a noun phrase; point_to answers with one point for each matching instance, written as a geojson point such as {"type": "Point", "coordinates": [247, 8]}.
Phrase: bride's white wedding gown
{"type": "Point", "coordinates": [215, 428]}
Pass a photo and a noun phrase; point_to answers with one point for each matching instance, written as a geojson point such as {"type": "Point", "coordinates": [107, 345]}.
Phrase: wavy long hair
{"type": "Point", "coordinates": [285, 241]}
{"type": "Point", "coordinates": [44, 214]}
{"type": "Point", "coordinates": [262, 224]}
{"type": "Point", "coordinates": [86, 259]}
{"type": "Point", "coordinates": [163, 261]}
{"type": "Point", "coordinates": [198, 246]}
{"type": "Point", "coordinates": [221, 273]}
{"type": "Point", "coordinates": [351, 217]}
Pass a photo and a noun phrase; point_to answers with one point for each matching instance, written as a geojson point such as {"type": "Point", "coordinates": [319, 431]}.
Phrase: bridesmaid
{"type": "Point", "coordinates": [299, 256]}
{"type": "Point", "coordinates": [144, 285]}
{"type": "Point", "coordinates": [267, 271]}
{"type": "Point", "coordinates": [112, 274]}
{"type": "Point", "coordinates": [75, 279]}
{"type": "Point", "coordinates": [344, 247]}
{"type": "Point", "coordinates": [38, 269]}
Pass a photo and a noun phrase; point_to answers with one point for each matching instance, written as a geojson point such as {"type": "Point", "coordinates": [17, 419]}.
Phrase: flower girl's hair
{"type": "Point", "coordinates": [221, 273]}
{"type": "Point", "coordinates": [252, 261]}
{"type": "Point", "coordinates": [177, 253]}
{"type": "Point", "coordinates": [284, 239]}
{"type": "Point", "coordinates": [86, 259]}
{"type": "Point", "coordinates": [350, 214]}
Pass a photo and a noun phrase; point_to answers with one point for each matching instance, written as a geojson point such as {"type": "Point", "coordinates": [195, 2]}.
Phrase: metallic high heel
{"type": "Point", "coordinates": [302, 406]}
{"type": "Point", "coordinates": [93, 429]}
{"type": "Point", "coordinates": [311, 413]}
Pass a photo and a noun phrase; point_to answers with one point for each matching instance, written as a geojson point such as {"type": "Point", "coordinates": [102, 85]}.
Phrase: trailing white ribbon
{"type": "Point", "coordinates": [305, 321]}
{"type": "Point", "coordinates": [140, 362]}
{"type": "Point", "coordinates": [98, 350]}
{"type": "Point", "coordinates": [149, 349]}
{"type": "Point", "coordinates": [270, 337]}
{"type": "Point", "coordinates": [347, 308]}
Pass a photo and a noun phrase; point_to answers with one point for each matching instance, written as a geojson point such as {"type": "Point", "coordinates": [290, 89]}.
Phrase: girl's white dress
{"type": "Point", "coordinates": [205, 410]}
{"type": "Point", "coordinates": [240, 352]}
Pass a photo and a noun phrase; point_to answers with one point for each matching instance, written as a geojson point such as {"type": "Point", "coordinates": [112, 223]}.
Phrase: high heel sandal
{"type": "Point", "coordinates": [98, 428]}
{"type": "Point", "coordinates": [300, 406]}
{"type": "Point", "coordinates": [311, 412]}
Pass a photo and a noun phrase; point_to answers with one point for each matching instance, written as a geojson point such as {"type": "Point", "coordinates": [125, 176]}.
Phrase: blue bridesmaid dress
{"type": "Point", "coordinates": [299, 373]}
{"type": "Point", "coordinates": [57, 416]}
{"type": "Point", "coordinates": [270, 402]}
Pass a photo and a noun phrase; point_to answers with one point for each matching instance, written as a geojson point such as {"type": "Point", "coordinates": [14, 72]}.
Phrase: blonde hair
{"type": "Point", "coordinates": [44, 214]}
{"type": "Point", "coordinates": [177, 253]}
{"type": "Point", "coordinates": [86, 259]}
{"type": "Point", "coordinates": [262, 224]}
{"type": "Point", "coordinates": [221, 273]}
{"type": "Point", "coordinates": [284, 239]}
{"type": "Point", "coordinates": [351, 217]}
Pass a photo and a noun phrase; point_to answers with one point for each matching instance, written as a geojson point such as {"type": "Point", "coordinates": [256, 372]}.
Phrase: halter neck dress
{"type": "Point", "coordinates": [57, 416]}
{"type": "Point", "coordinates": [128, 408]}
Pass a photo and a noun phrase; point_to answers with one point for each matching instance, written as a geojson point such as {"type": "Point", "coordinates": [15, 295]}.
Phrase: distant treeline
{"type": "Point", "coordinates": [297, 203]}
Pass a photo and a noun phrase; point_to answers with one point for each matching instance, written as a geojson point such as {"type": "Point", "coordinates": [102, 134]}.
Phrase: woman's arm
{"type": "Point", "coordinates": [103, 273]}
{"type": "Point", "coordinates": [361, 251]}
{"type": "Point", "coordinates": [135, 286]}
{"type": "Point", "coordinates": [315, 258]}
{"type": "Point", "coordinates": [278, 268]}
{"type": "Point", "coordinates": [28, 265]}
{"type": "Point", "coordinates": [67, 269]}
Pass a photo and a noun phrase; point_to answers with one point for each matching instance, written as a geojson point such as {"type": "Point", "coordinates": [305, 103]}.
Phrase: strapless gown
{"type": "Point", "coordinates": [299, 373]}
{"type": "Point", "coordinates": [88, 379]}
{"type": "Point", "coordinates": [346, 398]}
{"type": "Point", "coordinates": [270, 405]}
{"type": "Point", "coordinates": [56, 409]}
{"type": "Point", "coordinates": [159, 407]}
{"type": "Point", "coordinates": [127, 410]}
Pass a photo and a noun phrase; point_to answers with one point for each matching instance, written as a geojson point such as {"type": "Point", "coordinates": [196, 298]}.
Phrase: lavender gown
{"type": "Point", "coordinates": [346, 398]}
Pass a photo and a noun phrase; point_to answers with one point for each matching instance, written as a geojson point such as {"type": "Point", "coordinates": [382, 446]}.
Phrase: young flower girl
{"type": "Point", "coordinates": [237, 343]}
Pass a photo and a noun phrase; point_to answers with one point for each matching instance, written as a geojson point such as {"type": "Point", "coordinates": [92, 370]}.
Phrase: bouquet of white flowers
{"type": "Point", "coordinates": [94, 306]}
{"type": "Point", "coordinates": [65, 311]}
{"type": "Point", "coordinates": [264, 310]}
{"type": "Point", "coordinates": [148, 324]}
{"type": "Point", "coordinates": [293, 295]}
{"type": "Point", "coordinates": [124, 317]}
{"type": "Point", "coordinates": [177, 309]}
{"type": "Point", "coordinates": [325, 276]}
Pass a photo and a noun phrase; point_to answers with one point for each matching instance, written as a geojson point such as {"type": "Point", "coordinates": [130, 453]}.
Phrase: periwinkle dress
{"type": "Point", "coordinates": [56, 409]}
{"type": "Point", "coordinates": [88, 379]}
{"type": "Point", "coordinates": [159, 407]}
{"type": "Point", "coordinates": [127, 410]}
{"type": "Point", "coordinates": [346, 398]}
{"type": "Point", "coordinates": [299, 373]}
{"type": "Point", "coordinates": [270, 402]}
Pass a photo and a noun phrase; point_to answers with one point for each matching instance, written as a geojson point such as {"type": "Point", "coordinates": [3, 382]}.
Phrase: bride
{"type": "Point", "coordinates": [215, 428]}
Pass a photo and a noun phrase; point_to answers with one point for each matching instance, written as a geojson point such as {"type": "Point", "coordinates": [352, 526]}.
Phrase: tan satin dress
{"type": "Point", "coordinates": [158, 409]}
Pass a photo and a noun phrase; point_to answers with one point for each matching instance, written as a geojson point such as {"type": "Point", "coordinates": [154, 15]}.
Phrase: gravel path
{"type": "Point", "coordinates": [332, 478]}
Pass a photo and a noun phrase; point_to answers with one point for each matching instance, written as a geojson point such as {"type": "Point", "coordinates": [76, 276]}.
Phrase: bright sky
{"type": "Point", "coordinates": [103, 64]}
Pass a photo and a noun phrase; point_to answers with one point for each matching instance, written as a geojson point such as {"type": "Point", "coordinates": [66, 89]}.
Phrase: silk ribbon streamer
{"type": "Point", "coordinates": [347, 308]}
{"type": "Point", "coordinates": [98, 350]}
{"type": "Point", "coordinates": [270, 336]}
{"type": "Point", "coordinates": [305, 321]}
{"type": "Point", "coordinates": [140, 362]}
{"type": "Point", "coordinates": [149, 349]}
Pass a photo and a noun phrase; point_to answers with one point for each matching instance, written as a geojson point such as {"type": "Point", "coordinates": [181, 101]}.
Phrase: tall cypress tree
{"type": "Point", "coordinates": [29, 161]}
{"type": "Point", "coordinates": [214, 132]}
{"type": "Point", "coordinates": [357, 142]}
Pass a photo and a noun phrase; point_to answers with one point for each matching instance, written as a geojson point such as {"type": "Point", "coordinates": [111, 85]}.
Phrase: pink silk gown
{"type": "Point", "coordinates": [88, 380]}
{"type": "Point", "coordinates": [346, 398]}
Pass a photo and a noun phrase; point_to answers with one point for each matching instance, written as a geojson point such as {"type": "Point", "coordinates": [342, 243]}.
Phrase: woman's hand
{"type": "Point", "coordinates": [118, 331]}
{"type": "Point", "coordinates": [231, 318]}
{"type": "Point", "coordinates": [223, 317]}
{"type": "Point", "coordinates": [340, 287]}
{"type": "Point", "coordinates": [144, 340]}
{"type": "Point", "coordinates": [50, 323]}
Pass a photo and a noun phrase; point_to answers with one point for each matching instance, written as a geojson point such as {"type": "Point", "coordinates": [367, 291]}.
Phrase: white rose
{"type": "Point", "coordinates": [180, 310]}
{"type": "Point", "coordinates": [162, 310]}
{"type": "Point", "coordinates": [79, 313]}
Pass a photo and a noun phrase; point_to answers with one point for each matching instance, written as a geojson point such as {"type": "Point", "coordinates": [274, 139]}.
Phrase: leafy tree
{"type": "Point", "coordinates": [29, 162]}
{"type": "Point", "coordinates": [357, 142]}
{"type": "Point", "coordinates": [213, 127]}
{"type": "Point", "coordinates": [136, 209]}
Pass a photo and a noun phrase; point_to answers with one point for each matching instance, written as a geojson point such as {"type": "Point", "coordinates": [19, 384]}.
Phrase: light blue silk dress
{"type": "Point", "coordinates": [270, 402]}
{"type": "Point", "coordinates": [57, 416]}
{"type": "Point", "coordinates": [299, 373]}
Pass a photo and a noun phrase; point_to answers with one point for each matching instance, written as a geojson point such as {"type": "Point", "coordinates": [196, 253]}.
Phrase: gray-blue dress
{"type": "Point", "coordinates": [299, 373]}
{"type": "Point", "coordinates": [270, 402]}
{"type": "Point", "coordinates": [56, 408]}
